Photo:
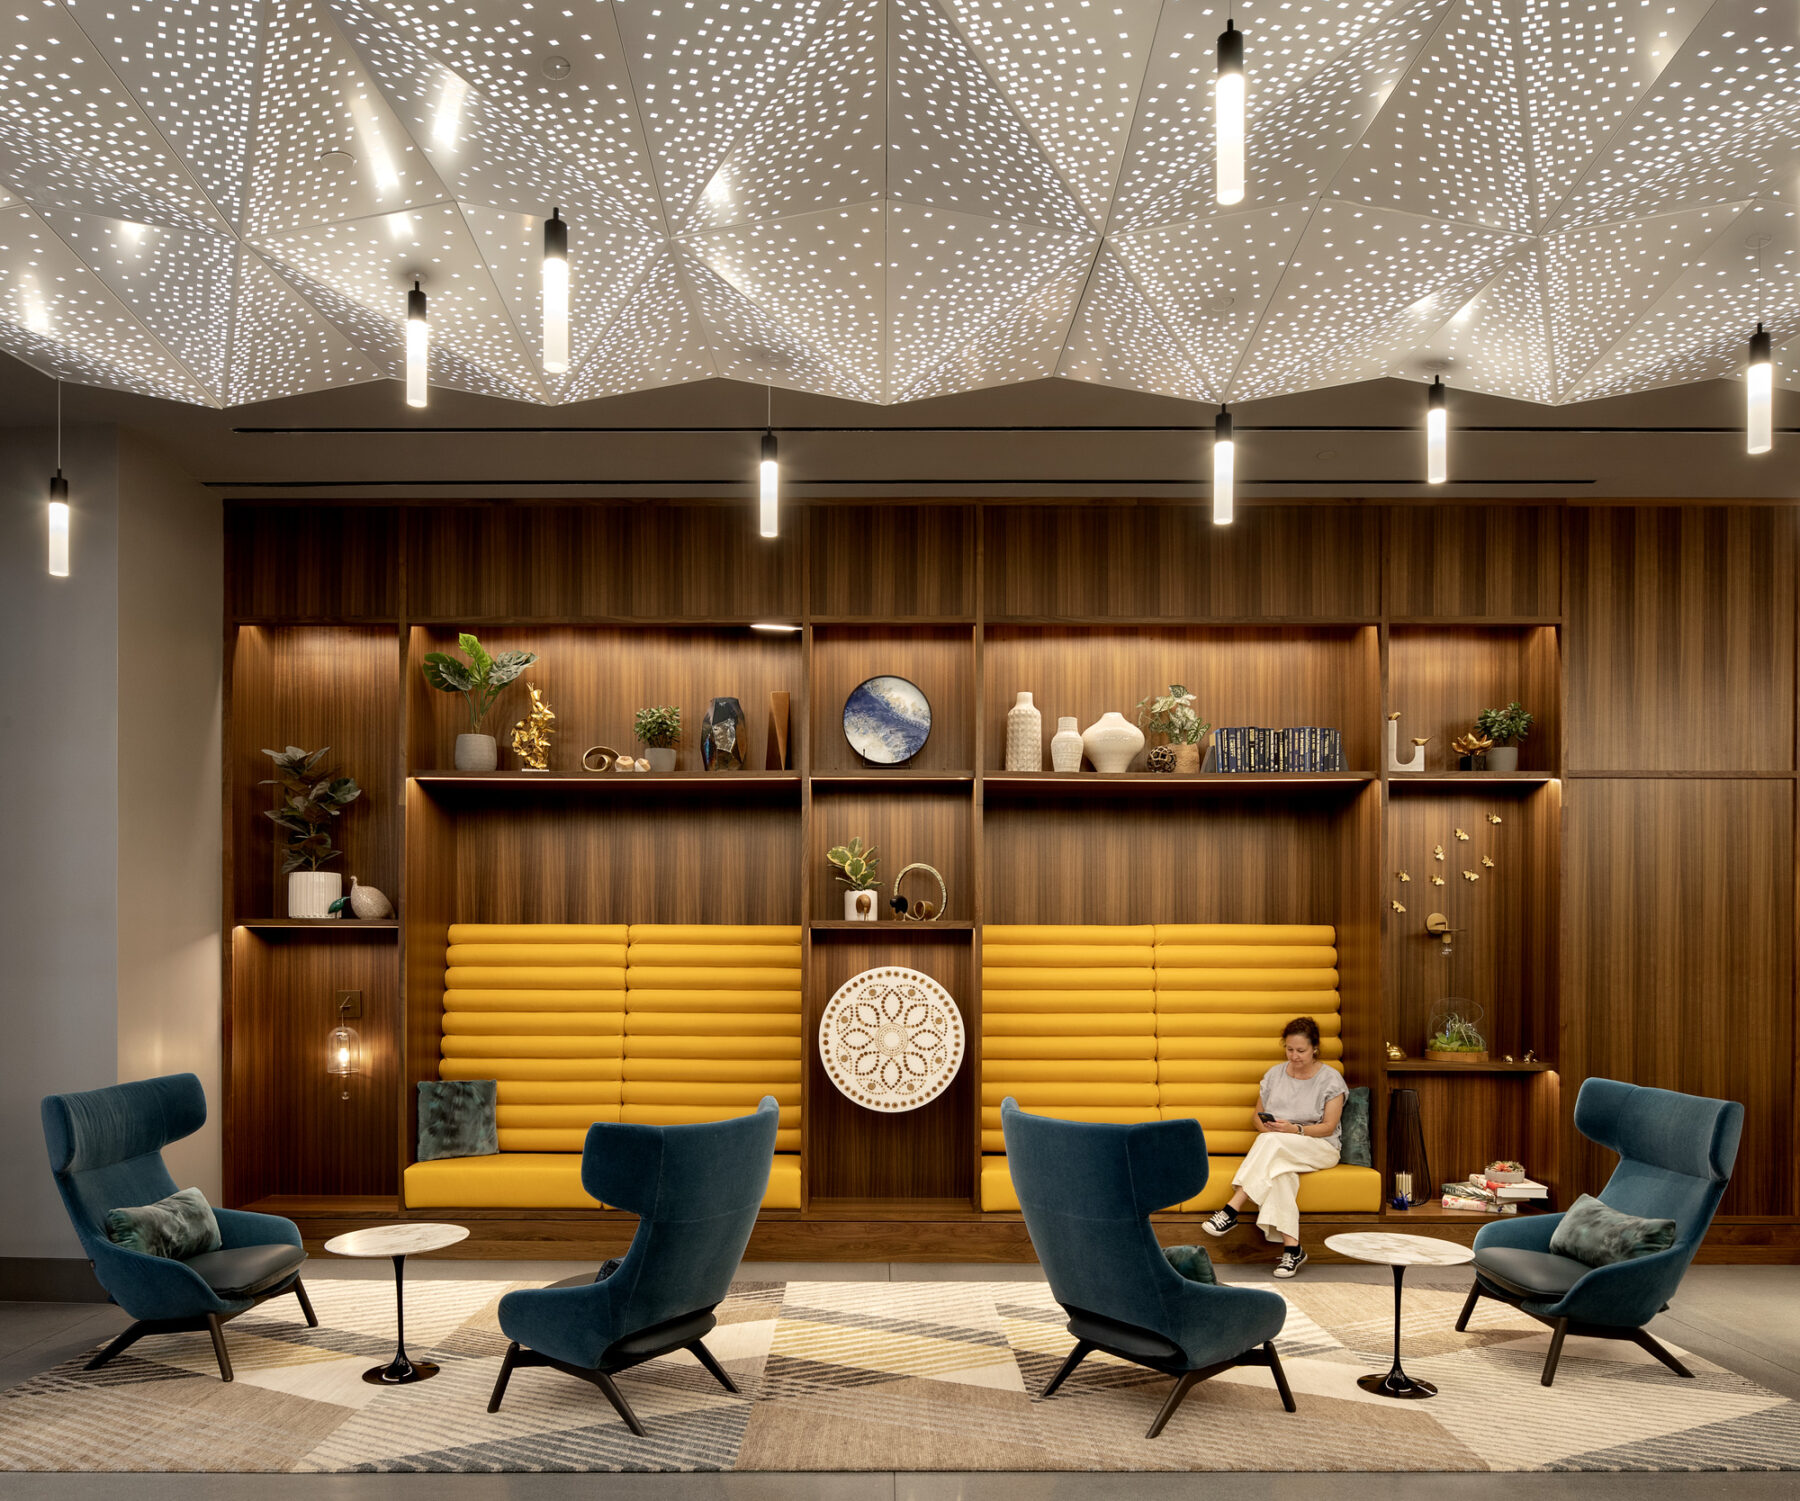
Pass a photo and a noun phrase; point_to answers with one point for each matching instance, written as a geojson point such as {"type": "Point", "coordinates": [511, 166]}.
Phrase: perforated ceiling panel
{"type": "Point", "coordinates": [225, 201]}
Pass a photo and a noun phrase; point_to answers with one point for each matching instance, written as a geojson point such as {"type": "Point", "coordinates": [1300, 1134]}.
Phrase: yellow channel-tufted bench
{"type": "Point", "coordinates": [1153, 1023]}
{"type": "Point", "coordinates": [650, 1023]}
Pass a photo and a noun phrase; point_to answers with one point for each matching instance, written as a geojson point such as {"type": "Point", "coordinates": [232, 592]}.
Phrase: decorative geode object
{"type": "Point", "coordinates": [887, 720]}
{"type": "Point", "coordinates": [722, 736]}
{"type": "Point", "coordinates": [1160, 758]}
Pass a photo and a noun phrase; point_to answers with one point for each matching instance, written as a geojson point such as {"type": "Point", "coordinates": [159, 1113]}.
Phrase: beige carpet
{"type": "Point", "coordinates": [886, 1376]}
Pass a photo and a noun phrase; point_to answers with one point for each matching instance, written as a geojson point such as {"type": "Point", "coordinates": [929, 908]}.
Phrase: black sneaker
{"type": "Point", "coordinates": [1221, 1221]}
{"type": "Point", "coordinates": [1291, 1260]}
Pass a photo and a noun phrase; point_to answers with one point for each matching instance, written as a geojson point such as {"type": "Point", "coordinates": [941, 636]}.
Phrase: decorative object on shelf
{"type": "Point", "coordinates": [1403, 1191]}
{"type": "Point", "coordinates": [1506, 728]}
{"type": "Point", "coordinates": [891, 1039]}
{"type": "Point", "coordinates": [531, 735]}
{"type": "Point", "coordinates": [1406, 1144]}
{"type": "Point", "coordinates": [1471, 751]}
{"type": "Point", "coordinates": [1111, 742]}
{"type": "Point", "coordinates": [860, 870]}
{"type": "Point", "coordinates": [1455, 1035]}
{"type": "Point", "coordinates": [1417, 760]}
{"type": "Point", "coordinates": [1531, 1056]}
{"type": "Point", "coordinates": [643, 764]}
{"type": "Point", "coordinates": [311, 799]}
{"type": "Point", "coordinates": [364, 902]}
{"type": "Point", "coordinates": [1066, 745]}
{"type": "Point", "coordinates": [1160, 758]}
{"type": "Point", "coordinates": [775, 755]}
{"type": "Point", "coordinates": [479, 681]}
{"type": "Point", "coordinates": [343, 1051]}
{"type": "Point", "coordinates": [1024, 736]}
{"type": "Point", "coordinates": [1506, 1057]}
{"type": "Point", "coordinates": [625, 764]}
{"type": "Point", "coordinates": [722, 736]}
{"type": "Point", "coordinates": [921, 911]}
{"type": "Point", "coordinates": [1396, 1053]}
{"type": "Point", "coordinates": [659, 727]}
{"type": "Point", "coordinates": [1172, 715]}
{"type": "Point", "coordinates": [887, 720]}
{"type": "Point", "coordinates": [598, 758]}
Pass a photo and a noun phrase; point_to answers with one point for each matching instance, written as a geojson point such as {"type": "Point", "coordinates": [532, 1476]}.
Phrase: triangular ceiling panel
{"type": "Point", "coordinates": [750, 344]}
{"type": "Point", "coordinates": [1497, 341]}
{"type": "Point", "coordinates": [656, 341]}
{"type": "Point", "coordinates": [1118, 339]}
{"type": "Point", "coordinates": [281, 345]}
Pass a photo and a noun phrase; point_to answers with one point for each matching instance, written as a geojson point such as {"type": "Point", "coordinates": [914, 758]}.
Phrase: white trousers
{"type": "Point", "coordinates": [1271, 1177]}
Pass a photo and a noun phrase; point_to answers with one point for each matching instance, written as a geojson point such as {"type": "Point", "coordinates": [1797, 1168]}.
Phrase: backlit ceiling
{"type": "Point", "coordinates": [223, 201]}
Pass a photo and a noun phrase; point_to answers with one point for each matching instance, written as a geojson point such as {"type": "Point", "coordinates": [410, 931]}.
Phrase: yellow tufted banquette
{"type": "Point", "coordinates": [581, 1023]}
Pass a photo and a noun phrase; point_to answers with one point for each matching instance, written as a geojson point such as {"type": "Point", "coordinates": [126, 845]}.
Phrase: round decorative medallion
{"type": "Point", "coordinates": [891, 1039]}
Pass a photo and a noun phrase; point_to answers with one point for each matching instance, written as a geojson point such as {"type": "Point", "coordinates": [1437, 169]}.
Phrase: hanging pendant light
{"type": "Point", "coordinates": [1759, 385]}
{"type": "Point", "coordinates": [418, 345]}
{"type": "Point", "coordinates": [59, 504]}
{"type": "Point", "coordinates": [1228, 115]}
{"type": "Point", "coordinates": [556, 294]}
{"type": "Point", "coordinates": [1437, 434]}
{"type": "Point", "coordinates": [770, 471]}
{"type": "Point", "coordinates": [1224, 468]}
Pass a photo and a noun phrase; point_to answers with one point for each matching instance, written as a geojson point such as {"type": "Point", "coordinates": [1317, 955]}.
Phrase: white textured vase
{"type": "Point", "coordinates": [861, 906]}
{"type": "Point", "coordinates": [476, 753]}
{"type": "Point", "coordinates": [661, 757]}
{"type": "Point", "coordinates": [311, 892]}
{"type": "Point", "coordinates": [1024, 736]}
{"type": "Point", "coordinates": [1066, 746]}
{"type": "Point", "coordinates": [1111, 741]}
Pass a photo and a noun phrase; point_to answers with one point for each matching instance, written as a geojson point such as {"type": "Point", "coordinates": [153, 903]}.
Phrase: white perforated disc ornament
{"type": "Point", "coordinates": [891, 1039]}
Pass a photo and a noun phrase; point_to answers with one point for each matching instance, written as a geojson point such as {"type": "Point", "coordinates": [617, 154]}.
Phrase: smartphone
{"type": "Point", "coordinates": [1263, 1115]}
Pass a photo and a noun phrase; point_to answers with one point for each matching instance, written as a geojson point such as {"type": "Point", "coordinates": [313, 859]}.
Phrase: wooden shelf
{"type": "Point", "coordinates": [601, 784]}
{"type": "Point", "coordinates": [1435, 1213]}
{"type": "Point", "coordinates": [1438, 781]}
{"type": "Point", "coordinates": [1151, 784]}
{"type": "Point", "coordinates": [888, 927]}
{"type": "Point", "coordinates": [899, 776]}
{"type": "Point", "coordinates": [1431, 1066]}
{"type": "Point", "coordinates": [332, 927]}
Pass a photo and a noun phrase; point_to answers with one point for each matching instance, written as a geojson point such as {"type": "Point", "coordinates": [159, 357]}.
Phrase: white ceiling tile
{"type": "Point", "coordinates": [1498, 340]}
{"type": "Point", "coordinates": [657, 341]}
{"type": "Point", "coordinates": [1118, 339]}
{"type": "Point", "coordinates": [281, 345]}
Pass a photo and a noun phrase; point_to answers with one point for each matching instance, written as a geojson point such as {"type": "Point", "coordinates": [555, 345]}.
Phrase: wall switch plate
{"type": "Point", "coordinates": [349, 1004]}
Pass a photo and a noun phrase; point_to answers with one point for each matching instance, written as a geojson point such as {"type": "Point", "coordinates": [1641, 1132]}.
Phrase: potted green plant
{"type": "Point", "coordinates": [659, 727]}
{"type": "Point", "coordinates": [859, 869]}
{"type": "Point", "coordinates": [479, 680]}
{"type": "Point", "coordinates": [310, 800]}
{"type": "Point", "coordinates": [1172, 715]}
{"type": "Point", "coordinates": [1506, 728]}
{"type": "Point", "coordinates": [1456, 1033]}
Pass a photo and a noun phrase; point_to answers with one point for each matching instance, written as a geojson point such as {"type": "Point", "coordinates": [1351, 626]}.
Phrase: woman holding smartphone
{"type": "Point", "coordinates": [1298, 1108]}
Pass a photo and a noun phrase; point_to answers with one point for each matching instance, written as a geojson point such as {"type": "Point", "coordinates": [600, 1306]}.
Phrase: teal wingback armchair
{"type": "Point", "coordinates": [696, 1191]}
{"type": "Point", "coordinates": [106, 1153]}
{"type": "Point", "coordinates": [1676, 1152]}
{"type": "Point", "coordinates": [1087, 1192]}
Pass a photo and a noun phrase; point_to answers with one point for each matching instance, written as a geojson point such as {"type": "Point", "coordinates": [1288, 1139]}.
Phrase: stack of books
{"type": "Point", "coordinates": [1508, 1188]}
{"type": "Point", "coordinates": [1249, 747]}
{"type": "Point", "coordinates": [1497, 1189]}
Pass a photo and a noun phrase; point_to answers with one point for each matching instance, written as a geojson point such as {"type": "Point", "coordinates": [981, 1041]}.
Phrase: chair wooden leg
{"type": "Point", "coordinates": [1462, 1319]}
{"type": "Point", "coordinates": [705, 1357]}
{"type": "Point", "coordinates": [216, 1327]}
{"type": "Point", "coordinates": [1080, 1353]}
{"type": "Point", "coordinates": [1560, 1328]}
{"type": "Point", "coordinates": [1182, 1388]}
{"type": "Point", "coordinates": [1647, 1340]}
{"type": "Point", "coordinates": [306, 1308]}
{"type": "Point", "coordinates": [124, 1342]}
{"type": "Point", "coordinates": [506, 1370]}
{"type": "Point", "coordinates": [620, 1405]}
{"type": "Point", "coordinates": [1281, 1381]}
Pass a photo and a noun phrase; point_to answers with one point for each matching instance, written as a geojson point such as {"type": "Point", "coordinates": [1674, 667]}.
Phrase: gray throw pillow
{"type": "Point", "coordinates": [174, 1228]}
{"type": "Point", "coordinates": [1192, 1262]}
{"type": "Point", "coordinates": [1596, 1235]}
{"type": "Point", "coordinates": [456, 1118]}
{"type": "Point", "coordinates": [1357, 1150]}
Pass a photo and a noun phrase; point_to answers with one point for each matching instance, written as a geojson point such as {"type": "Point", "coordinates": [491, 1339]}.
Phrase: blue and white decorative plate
{"type": "Point", "coordinates": [887, 720]}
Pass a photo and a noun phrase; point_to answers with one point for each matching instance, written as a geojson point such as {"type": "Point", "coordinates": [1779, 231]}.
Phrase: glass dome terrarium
{"type": "Point", "coordinates": [1457, 1034]}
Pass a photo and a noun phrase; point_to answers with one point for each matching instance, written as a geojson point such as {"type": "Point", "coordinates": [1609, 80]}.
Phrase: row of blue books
{"type": "Point", "coordinates": [1307, 747]}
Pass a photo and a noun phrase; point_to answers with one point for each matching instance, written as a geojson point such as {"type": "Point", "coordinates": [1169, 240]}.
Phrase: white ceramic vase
{"type": "Point", "coordinates": [1112, 741]}
{"type": "Point", "coordinates": [311, 892]}
{"type": "Point", "coordinates": [1024, 736]}
{"type": "Point", "coordinates": [1503, 758]}
{"type": "Point", "coordinates": [861, 906]}
{"type": "Point", "coordinates": [1066, 746]}
{"type": "Point", "coordinates": [661, 757]}
{"type": "Point", "coordinates": [476, 753]}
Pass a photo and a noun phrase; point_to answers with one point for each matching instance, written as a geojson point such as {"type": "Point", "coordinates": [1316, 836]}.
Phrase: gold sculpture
{"type": "Point", "coordinates": [1471, 875]}
{"type": "Point", "coordinates": [1437, 880]}
{"type": "Point", "coordinates": [1462, 835]}
{"type": "Point", "coordinates": [1396, 1053]}
{"type": "Point", "coordinates": [1471, 744]}
{"type": "Point", "coordinates": [1487, 862]}
{"type": "Point", "coordinates": [1437, 852]}
{"type": "Point", "coordinates": [531, 735]}
{"type": "Point", "coordinates": [1395, 905]}
{"type": "Point", "coordinates": [1493, 818]}
{"type": "Point", "coordinates": [1402, 875]}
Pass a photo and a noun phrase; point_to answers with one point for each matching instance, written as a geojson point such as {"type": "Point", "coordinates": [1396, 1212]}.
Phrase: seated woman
{"type": "Point", "coordinates": [1296, 1118]}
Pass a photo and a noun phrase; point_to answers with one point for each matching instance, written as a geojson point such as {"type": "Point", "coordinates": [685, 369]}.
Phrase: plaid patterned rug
{"type": "Point", "coordinates": [885, 1376]}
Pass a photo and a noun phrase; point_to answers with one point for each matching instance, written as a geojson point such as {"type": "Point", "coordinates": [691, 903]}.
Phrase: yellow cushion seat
{"type": "Point", "coordinates": [542, 1180]}
{"type": "Point", "coordinates": [1331, 1190]}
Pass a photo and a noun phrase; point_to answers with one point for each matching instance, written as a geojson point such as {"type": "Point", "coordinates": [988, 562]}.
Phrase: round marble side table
{"type": "Point", "coordinates": [1384, 1248]}
{"type": "Point", "coordinates": [399, 1242]}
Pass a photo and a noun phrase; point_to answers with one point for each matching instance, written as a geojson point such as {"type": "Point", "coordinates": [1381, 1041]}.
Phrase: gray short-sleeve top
{"type": "Point", "coordinates": [1302, 1100]}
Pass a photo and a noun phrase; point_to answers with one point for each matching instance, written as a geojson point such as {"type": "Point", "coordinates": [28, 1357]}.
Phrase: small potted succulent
{"type": "Point", "coordinates": [1172, 716]}
{"type": "Point", "coordinates": [659, 727]}
{"type": "Point", "coordinates": [479, 680]}
{"type": "Point", "coordinates": [1456, 1033]}
{"type": "Point", "coordinates": [310, 800]}
{"type": "Point", "coordinates": [859, 869]}
{"type": "Point", "coordinates": [1506, 728]}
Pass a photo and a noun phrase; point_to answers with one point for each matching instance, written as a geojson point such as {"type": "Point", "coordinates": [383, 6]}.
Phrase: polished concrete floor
{"type": "Point", "coordinates": [1747, 1318]}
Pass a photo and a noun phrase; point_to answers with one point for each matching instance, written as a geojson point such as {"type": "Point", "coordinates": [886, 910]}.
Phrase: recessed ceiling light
{"type": "Point", "coordinates": [555, 66]}
{"type": "Point", "coordinates": [337, 159]}
{"type": "Point", "coordinates": [1326, 453]}
{"type": "Point", "coordinates": [770, 625]}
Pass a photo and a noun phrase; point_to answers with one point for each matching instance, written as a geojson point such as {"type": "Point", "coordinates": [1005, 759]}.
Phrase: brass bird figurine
{"type": "Point", "coordinates": [1487, 862]}
{"type": "Point", "coordinates": [1471, 875]}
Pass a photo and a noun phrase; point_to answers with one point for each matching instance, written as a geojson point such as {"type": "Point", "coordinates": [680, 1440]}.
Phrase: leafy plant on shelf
{"type": "Point", "coordinates": [1506, 726]}
{"type": "Point", "coordinates": [311, 799]}
{"type": "Point", "coordinates": [659, 727]}
{"type": "Point", "coordinates": [857, 868]}
{"type": "Point", "coordinates": [1457, 1034]}
{"type": "Point", "coordinates": [1172, 716]}
{"type": "Point", "coordinates": [480, 679]}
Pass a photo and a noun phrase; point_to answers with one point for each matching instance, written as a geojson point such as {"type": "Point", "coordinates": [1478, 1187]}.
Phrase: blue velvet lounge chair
{"type": "Point", "coordinates": [106, 1152]}
{"type": "Point", "coordinates": [1087, 1192]}
{"type": "Point", "coordinates": [1675, 1157]}
{"type": "Point", "coordinates": [696, 1190]}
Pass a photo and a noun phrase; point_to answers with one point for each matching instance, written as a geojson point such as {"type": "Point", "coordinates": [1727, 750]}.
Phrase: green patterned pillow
{"type": "Point", "coordinates": [1192, 1262]}
{"type": "Point", "coordinates": [456, 1118]}
{"type": "Point", "coordinates": [174, 1228]}
{"type": "Point", "coordinates": [1597, 1235]}
{"type": "Point", "coordinates": [1356, 1149]}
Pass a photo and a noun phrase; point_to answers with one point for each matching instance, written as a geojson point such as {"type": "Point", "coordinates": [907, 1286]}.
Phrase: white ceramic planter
{"type": "Point", "coordinates": [861, 906]}
{"type": "Point", "coordinates": [1503, 758]}
{"type": "Point", "coordinates": [661, 757]}
{"type": "Point", "coordinates": [1024, 736]}
{"type": "Point", "coordinates": [1112, 741]}
{"type": "Point", "coordinates": [1065, 745]}
{"type": "Point", "coordinates": [476, 753]}
{"type": "Point", "coordinates": [311, 892]}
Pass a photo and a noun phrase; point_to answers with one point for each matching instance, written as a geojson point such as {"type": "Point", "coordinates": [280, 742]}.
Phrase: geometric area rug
{"type": "Point", "coordinates": [886, 1376]}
